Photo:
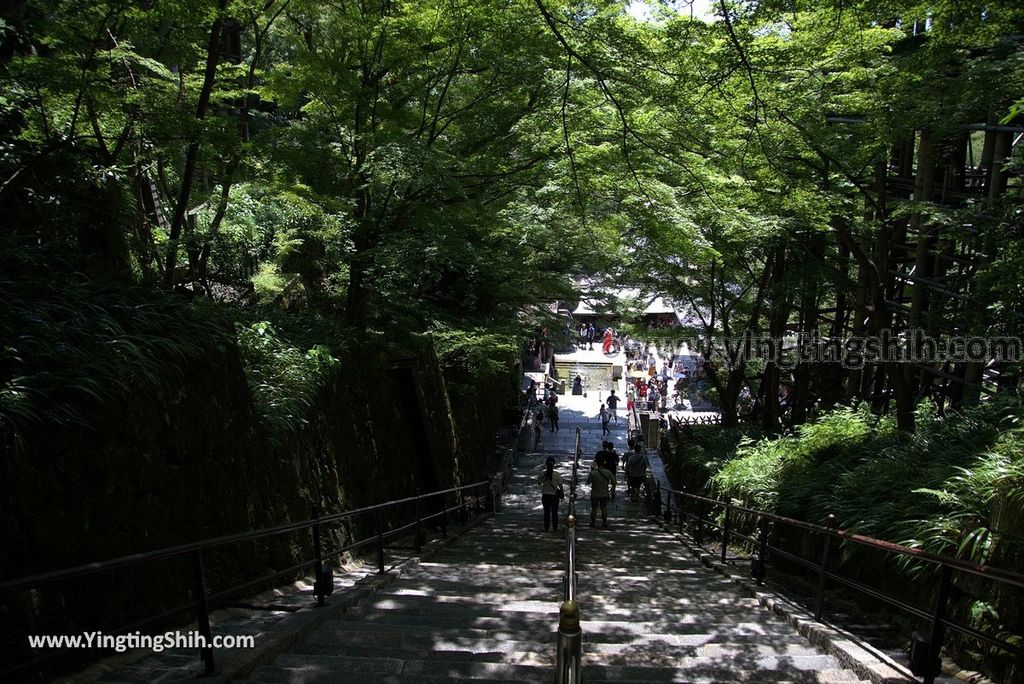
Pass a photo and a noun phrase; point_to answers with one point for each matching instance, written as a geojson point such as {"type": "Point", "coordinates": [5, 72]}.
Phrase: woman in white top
{"type": "Point", "coordinates": [550, 493]}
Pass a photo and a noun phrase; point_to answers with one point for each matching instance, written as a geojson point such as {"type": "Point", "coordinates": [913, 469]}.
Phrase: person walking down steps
{"type": "Point", "coordinates": [636, 471]}
{"type": "Point", "coordinates": [613, 405]}
{"type": "Point", "coordinates": [601, 482]}
{"type": "Point", "coordinates": [605, 417]}
{"type": "Point", "coordinates": [551, 492]}
{"type": "Point", "coordinates": [609, 460]}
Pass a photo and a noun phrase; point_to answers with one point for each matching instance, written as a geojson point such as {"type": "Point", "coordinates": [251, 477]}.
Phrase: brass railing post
{"type": "Point", "coordinates": [570, 644]}
{"type": "Point", "coordinates": [569, 647]}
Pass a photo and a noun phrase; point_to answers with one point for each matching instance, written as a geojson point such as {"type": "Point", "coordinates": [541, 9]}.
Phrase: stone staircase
{"type": "Point", "coordinates": [486, 607]}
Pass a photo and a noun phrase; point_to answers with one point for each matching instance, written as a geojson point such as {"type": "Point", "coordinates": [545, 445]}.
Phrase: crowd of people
{"type": "Point", "coordinates": [652, 385]}
{"type": "Point", "coordinates": [648, 384]}
{"type": "Point", "coordinates": [610, 340]}
{"type": "Point", "coordinates": [602, 478]}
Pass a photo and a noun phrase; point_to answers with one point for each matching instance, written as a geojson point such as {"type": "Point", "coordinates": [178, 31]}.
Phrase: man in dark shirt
{"type": "Point", "coordinates": [613, 403]}
{"type": "Point", "coordinates": [609, 460]}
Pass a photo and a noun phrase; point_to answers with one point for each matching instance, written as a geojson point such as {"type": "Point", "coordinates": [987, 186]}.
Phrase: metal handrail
{"type": "Point", "coordinates": [766, 521]}
{"type": "Point", "coordinates": [202, 599]}
{"type": "Point", "coordinates": [570, 635]}
{"type": "Point", "coordinates": [636, 417]}
{"type": "Point", "coordinates": [500, 481]}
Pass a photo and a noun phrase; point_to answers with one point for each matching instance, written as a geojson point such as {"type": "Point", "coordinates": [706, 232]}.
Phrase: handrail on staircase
{"type": "Point", "coordinates": [636, 432]}
{"type": "Point", "coordinates": [570, 636]}
{"type": "Point", "coordinates": [411, 516]}
{"type": "Point", "coordinates": [699, 513]}
{"type": "Point", "coordinates": [501, 481]}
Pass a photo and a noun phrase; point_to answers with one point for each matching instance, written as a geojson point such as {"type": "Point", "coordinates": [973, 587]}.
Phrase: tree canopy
{"type": "Point", "coordinates": [447, 166]}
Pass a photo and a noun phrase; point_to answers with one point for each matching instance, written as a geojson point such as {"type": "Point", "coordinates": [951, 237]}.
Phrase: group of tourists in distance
{"type": "Point", "coordinates": [602, 479]}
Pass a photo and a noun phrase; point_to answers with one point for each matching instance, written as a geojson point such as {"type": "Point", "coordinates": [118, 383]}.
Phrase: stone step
{"type": "Point", "coordinates": [492, 651]}
{"type": "Point", "coordinates": [602, 633]}
{"type": "Point", "coordinates": [546, 598]}
{"type": "Point", "coordinates": [309, 668]}
{"type": "Point", "coordinates": [720, 672]}
{"type": "Point", "coordinates": [485, 608]}
{"type": "Point", "coordinates": [461, 606]}
{"type": "Point", "coordinates": [681, 596]}
{"type": "Point", "coordinates": [509, 622]}
{"type": "Point", "coordinates": [683, 610]}
{"type": "Point", "coordinates": [282, 675]}
{"type": "Point", "coordinates": [770, 668]}
{"type": "Point", "coordinates": [387, 630]}
{"type": "Point", "coordinates": [540, 623]}
{"type": "Point", "coordinates": [333, 669]}
{"type": "Point", "coordinates": [664, 650]}
{"type": "Point", "coordinates": [660, 602]}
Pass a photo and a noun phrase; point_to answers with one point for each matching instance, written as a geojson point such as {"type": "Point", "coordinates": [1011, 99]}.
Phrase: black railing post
{"type": "Point", "coordinates": [725, 531]}
{"type": "Point", "coordinates": [826, 554]}
{"type": "Point", "coordinates": [380, 541]}
{"type": "Point", "coordinates": [762, 550]}
{"type": "Point", "coordinates": [420, 537]}
{"type": "Point", "coordinates": [444, 516]}
{"type": "Point", "coordinates": [667, 517]}
{"type": "Point", "coordinates": [679, 506]}
{"type": "Point", "coordinates": [202, 611]}
{"type": "Point", "coordinates": [698, 523]}
{"type": "Point", "coordinates": [318, 582]}
{"type": "Point", "coordinates": [938, 628]}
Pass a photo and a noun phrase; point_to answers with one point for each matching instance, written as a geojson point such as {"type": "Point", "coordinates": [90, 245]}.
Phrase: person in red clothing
{"type": "Point", "coordinates": [609, 337]}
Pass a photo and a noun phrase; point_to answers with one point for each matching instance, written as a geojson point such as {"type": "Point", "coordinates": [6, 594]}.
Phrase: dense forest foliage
{"type": "Point", "coordinates": [292, 173]}
{"type": "Point", "coordinates": [842, 167]}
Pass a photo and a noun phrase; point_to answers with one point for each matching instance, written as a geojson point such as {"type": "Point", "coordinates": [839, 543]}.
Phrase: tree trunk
{"type": "Point", "coordinates": [780, 303]}
{"type": "Point", "coordinates": [809, 324]}
{"type": "Point", "coordinates": [192, 153]}
{"type": "Point", "coordinates": [923, 189]}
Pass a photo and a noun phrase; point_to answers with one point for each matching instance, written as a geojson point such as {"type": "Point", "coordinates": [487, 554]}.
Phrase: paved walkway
{"type": "Point", "coordinates": [485, 607]}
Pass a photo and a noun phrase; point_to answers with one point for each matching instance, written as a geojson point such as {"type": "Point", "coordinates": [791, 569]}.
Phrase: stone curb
{"type": "Point", "coordinates": [866, 662]}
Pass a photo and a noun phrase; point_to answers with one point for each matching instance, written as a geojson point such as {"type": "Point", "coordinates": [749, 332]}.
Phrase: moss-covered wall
{"type": "Point", "coordinates": [479, 404]}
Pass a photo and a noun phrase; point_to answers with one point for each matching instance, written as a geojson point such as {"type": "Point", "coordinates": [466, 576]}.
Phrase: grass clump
{"type": "Point", "coordinates": [284, 379]}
